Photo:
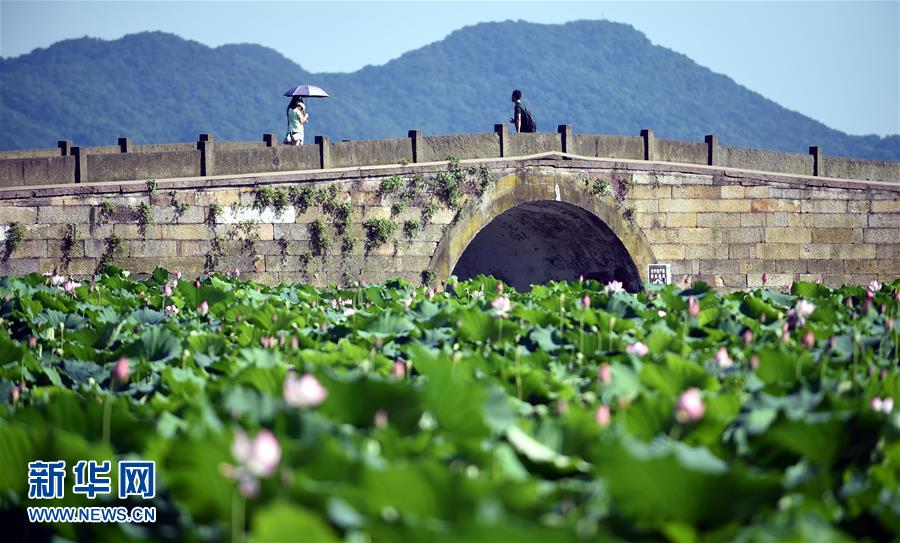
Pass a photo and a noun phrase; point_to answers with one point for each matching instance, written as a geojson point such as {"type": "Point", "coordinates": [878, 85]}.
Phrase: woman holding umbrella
{"type": "Point", "coordinates": [296, 111]}
{"type": "Point", "coordinates": [297, 117]}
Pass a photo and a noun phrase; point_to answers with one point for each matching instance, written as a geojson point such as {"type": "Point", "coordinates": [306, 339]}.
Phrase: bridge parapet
{"type": "Point", "coordinates": [206, 157]}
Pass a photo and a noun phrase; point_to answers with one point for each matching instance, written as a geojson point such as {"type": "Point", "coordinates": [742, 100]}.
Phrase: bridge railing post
{"type": "Point", "coordinates": [124, 145]}
{"type": "Point", "coordinates": [269, 140]}
{"type": "Point", "coordinates": [565, 136]}
{"type": "Point", "coordinates": [818, 165]}
{"type": "Point", "coordinates": [324, 152]}
{"type": "Point", "coordinates": [80, 164]}
{"type": "Point", "coordinates": [503, 135]}
{"type": "Point", "coordinates": [712, 149]}
{"type": "Point", "coordinates": [65, 147]}
{"type": "Point", "coordinates": [207, 154]}
{"type": "Point", "coordinates": [649, 143]}
{"type": "Point", "coordinates": [415, 140]}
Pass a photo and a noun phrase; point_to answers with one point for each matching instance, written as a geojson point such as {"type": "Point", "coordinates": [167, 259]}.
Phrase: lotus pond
{"type": "Point", "coordinates": [573, 412]}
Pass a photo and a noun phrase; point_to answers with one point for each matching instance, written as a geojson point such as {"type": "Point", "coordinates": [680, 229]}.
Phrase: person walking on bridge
{"type": "Point", "coordinates": [521, 116]}
{"type": "Point", "coordinates": [297, 117]}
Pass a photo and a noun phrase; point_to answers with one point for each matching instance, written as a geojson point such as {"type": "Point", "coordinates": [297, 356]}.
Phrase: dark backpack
{"type": "Point", "coordinates": [527, 124]}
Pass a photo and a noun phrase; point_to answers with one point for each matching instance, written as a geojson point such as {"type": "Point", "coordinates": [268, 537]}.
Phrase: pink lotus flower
{"type": "Point", "coordinates": [15, 394]}
{"type": "Point", "coordinates": [723, 360]}
{"type": "Point", "coordinates": [754, 362]}
{"type": "Point", "coordinates": [349, 312]}
{"type": "Point", "coordinates": [885, 405]}
{"type": "Point", "coordinates": [380, 419]}
{"type": "Point", "coordinates": [804, 309]}
{"type": "Point", "coordinates": [661, 314]}
{"type": "Point", "coordinates": [196, 283]}
{"type": "Point", "coordinates": [581, 278]}
{"type": "Point", "coordinates": [167, 290]}
{"type": "Point", "coordinates": [303, 392]}
{"type": "Point", "coordinates": [236, 272]}
{"type": "Point", "coordinates": [295, 343]}
{"type": "Point", "coordinates": [171, 310]}
{"type": "Point", "coordinates": [604, 373]}
{"type": "Point", "coordinates": [256, 458]}
{"type": "Point", "coordinates": [32, 342]}
{"type": "Point", "coordinates": [747, 336]}
{"type": "Point", "coordinates": [603, 416]}
{"type": "Point", "coordinates": [765, 278]}
{"type": "Point", "coordinates": [586, 302]}
{"type": "Point", "coordinates": [500, 287]}
{"type": "Point", "coordinates": [637, 349]}
{"type": "Point", "coordinates": [502, 305]}
{"type": "Point", "coordinates": [122, 370]}
{"type": "Point", "coordinates": [70, 286]}
{"type": "Point", "coordinates": [430, 294]}
{"type": "Point", "coordinates": [406, 302]}
{"type": "Point", "coordinates": [203, 308]}
{"type": "Point", "coordinates": [177, 275]}
{"type": "Point", "coordinates": [890, 323]}
{"type": "Point", "coordinates": [268, 342]}
{"type": "Point", "coordinates": [809, 340]}
{"type": "Point", "coordinates": [693, 306]}
{"type": "Point", "coordinates": [873, 287]}
{"type": "Point", "coordinates": [613, 287]}
{"type": "Point", "coordinates": [174, 283]}
{"type": "Point", "coordinates": [398, 370]}
{"type": "Point", "coordinates": [690, 406]}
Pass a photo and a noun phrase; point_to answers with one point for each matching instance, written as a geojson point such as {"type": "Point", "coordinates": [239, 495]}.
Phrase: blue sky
{"type": "Point", "coordinates": [837, 62]}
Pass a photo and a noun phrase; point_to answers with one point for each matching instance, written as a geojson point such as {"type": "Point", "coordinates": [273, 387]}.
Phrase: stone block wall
{"type": "Point", "coordinates": [722, 226]}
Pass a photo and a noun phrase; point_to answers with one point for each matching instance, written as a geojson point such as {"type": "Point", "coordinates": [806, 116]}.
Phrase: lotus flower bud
{"type": "Point", "coordinates": [604, 373]}
{"type": "Point", "coordinates": [122, 371]}
{"type": "Point", "coordinates": [690, 406]}
{"type": "Point", "coordinates": [693, 307]}
{"type": "Point", "coordinates": [603, 416]}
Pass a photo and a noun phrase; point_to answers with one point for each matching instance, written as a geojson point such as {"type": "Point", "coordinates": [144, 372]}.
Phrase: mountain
{"type": "Point", "coordinates": [600, 77]}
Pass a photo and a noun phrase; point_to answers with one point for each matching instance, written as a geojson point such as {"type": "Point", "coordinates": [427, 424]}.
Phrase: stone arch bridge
{"type": "Point", "coordinates": [525, 219]}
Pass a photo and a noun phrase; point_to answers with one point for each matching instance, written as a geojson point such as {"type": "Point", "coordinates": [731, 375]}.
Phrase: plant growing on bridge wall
{"type": "Point", "coordinates": [178, 207]}
{"type": "Point", "coordinates": [151, 186]}
{"type": "Point", "coordinates": [262, 197]}
{"type": "Point", "coordinates": [390, 185]}
{"type": "Point", "coordinates": [624, 187]}
{"type": "Point", "coordinates": [113, 247]}
{"type": "Point", "coordinates": [67, 244]}
{"type": "Point", "coordinates": [215, 254]}
{"type": "Point", "coordinates": [301, 197]}
{"type": "Point", "coordinates": [341, 215]}
{"type": "Point", "coordinates": [629, 215]}
{"type": "Point", "coordinates": [398, 208]}
{"type": "Point", "coordinates": [145, 217]}
{"type": "Point", "coordinates": [411, 228]}
{"type": "Point", "coordinates": [107, 208]}
{"type": "Point", "coordinates": [248, 232]}
{"type": "Point", "coordinates": [215, 211]}
{"type": "Point", "coordinates": [280, 201]}
{"type": "Point", "coordinates": [348, 244]}
{"type": "Point", "coordinates": [428, 277]}
{"type": "Point", "coordinates": [447, 189]}
{"type": "Point", "coordinates": [282, 248]}
{"type": "Point", "coordinates": [327, 198]}
{"type": "Point", "coordinates": [428, 212]}
{"type": "Point", "coordinates": [597, 186]}
{"type": "Point", "coordinates": [484, 178]}
{"type": "Point", "coordinates": [15, 235]}
{"type": "Point", "coordinates": [378, 232]}
{"type": "Point", "coordinates": [319, 238]}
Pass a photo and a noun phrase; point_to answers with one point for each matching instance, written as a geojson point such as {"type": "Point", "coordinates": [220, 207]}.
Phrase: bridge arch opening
{"type": "Point", "coordinates": [546, 240]}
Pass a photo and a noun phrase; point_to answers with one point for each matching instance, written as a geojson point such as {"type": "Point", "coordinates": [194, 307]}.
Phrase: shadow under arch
{"type": "Point", "coordinates": [534, 226]}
